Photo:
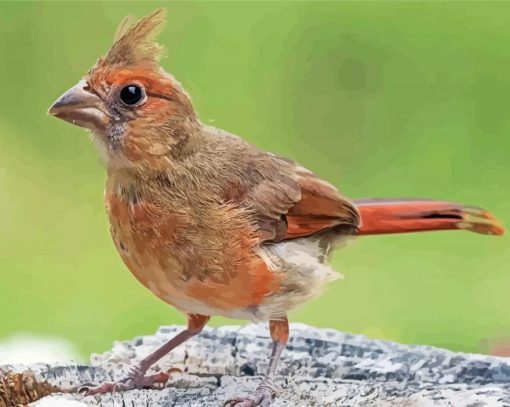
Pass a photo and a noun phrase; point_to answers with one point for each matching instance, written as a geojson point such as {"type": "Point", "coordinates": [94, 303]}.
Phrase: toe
{"type": "Point", "coordinates": [124, 385]}
{"type": "Point", "coordinates": [157, 380]}
{"type": "Point", "coordinates": [90, 390]}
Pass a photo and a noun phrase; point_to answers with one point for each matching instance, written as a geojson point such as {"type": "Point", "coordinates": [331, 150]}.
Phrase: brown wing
{"type": "Point", "coordinates": [286, 200]}
{"type": "Point", "coordinates": [290, 202]}
{"type": "Point", "coordinates": [321, 207]}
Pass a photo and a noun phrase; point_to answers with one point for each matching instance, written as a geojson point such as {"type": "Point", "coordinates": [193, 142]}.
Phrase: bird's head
{"type": "Point", "coordinates": [139, 115]}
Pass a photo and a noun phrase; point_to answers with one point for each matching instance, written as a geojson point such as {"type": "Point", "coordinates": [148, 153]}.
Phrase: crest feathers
{"type": "Point", "coordinates": [135, 42]}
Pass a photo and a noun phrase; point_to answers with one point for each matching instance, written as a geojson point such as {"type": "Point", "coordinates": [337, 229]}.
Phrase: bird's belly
{"type": "Point", "coordinates": [236, 298]}
{"type": "Point", "coordinates": [276, 279]}
{"type": "Point", "coordinates": [177, 278]}
{"type": "Point", "coordinates": [181, 266]}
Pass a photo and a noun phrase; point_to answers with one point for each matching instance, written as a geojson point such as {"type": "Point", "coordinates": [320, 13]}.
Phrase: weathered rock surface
{"type": "Point", "coordinates": [320, 367]}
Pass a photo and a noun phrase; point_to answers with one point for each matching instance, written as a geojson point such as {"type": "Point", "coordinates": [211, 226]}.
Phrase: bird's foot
{"type": "Point", "coordinates": [262, 397]}
{"type": "Point", "coordinates": [135, 379]}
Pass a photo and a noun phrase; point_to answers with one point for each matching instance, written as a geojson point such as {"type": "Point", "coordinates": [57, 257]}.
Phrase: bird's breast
{"type": "Point", "coordinates": [144, 236]}
{"type": "Point", "coordinates": [208, 267]}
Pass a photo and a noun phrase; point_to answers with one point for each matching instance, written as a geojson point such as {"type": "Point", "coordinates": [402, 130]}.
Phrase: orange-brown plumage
{"type": "Point", "coordinates": [209, 223]}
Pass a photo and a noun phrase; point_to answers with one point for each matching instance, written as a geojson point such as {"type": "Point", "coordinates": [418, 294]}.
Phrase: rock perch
{"type": "Point", "coordinates": [320, 367]}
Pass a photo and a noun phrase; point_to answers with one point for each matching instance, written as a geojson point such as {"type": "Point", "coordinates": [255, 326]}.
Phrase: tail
{"type": "Point", "coordinates": [383, 216]}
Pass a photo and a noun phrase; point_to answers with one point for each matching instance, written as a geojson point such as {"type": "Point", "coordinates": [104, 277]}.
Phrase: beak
{"type": "Point", "coordinates": [81, 107]}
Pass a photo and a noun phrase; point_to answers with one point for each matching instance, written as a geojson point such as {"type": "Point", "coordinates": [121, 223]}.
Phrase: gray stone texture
{"type": "Point", "coordinates": [320, 367]}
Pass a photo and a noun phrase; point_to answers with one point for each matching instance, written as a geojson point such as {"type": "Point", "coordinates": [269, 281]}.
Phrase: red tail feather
{"type": "Point", "coordinates": [383, 216]}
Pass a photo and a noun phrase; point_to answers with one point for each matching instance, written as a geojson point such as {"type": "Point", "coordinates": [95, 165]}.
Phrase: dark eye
{"type": "Point", "coordinates": [131, 94]}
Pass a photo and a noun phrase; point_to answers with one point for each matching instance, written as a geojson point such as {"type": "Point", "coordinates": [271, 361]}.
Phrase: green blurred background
{"type": "Point", "coordinates": [383, 99]}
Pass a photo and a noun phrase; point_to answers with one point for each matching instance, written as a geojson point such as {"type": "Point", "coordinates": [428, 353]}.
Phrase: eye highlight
{"type": "Point", "coordinates": [132, 94]}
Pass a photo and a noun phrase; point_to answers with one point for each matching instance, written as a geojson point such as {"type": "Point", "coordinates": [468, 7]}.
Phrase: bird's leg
{"type": "Point", "coordinates": [136, 378]}
{"type": "Point", "coordinates": [266, 390]}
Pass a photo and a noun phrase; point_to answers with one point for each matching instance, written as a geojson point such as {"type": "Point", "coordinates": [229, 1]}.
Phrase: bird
{"type": "Point", "coordinates": [209, 223]}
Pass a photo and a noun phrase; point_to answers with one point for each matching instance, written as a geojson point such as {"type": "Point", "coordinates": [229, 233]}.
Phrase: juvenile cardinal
{"type": "Point", "coordinates": [209, 223]}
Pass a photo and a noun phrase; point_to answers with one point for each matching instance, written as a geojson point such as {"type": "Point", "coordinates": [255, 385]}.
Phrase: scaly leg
{"type": "Point", "coordinates": [266, 390]}
{"type": "Point", "coordinates": [136, 378]}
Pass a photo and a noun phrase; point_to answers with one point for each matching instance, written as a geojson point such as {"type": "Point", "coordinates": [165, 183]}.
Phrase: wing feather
{"type": "Point", "coordinates": [293, 202]}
